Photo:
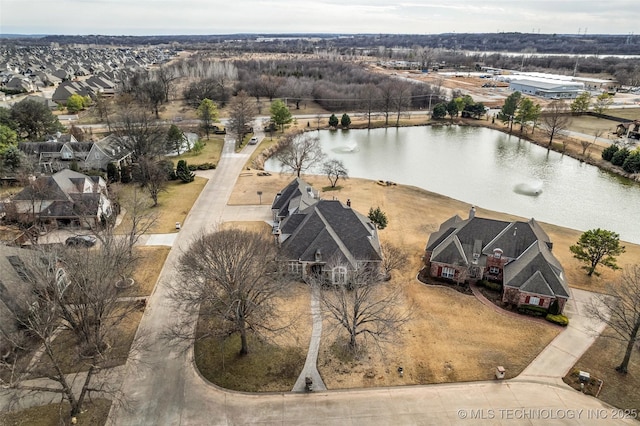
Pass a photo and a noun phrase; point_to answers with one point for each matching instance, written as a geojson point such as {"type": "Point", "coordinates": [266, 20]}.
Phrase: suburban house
{"type": "Point", "coordinates": [629, 129]}
{"type": "Point", "coordinates": [67, 198]}
{"type": "Point", "coordinates": [62, 151]}
{"type": "Point", "coordinates": [322, 236]}
{"type": "Point", "coordinates": [515, 254]}
{"type": "Point", "coordinates": [107, 150]}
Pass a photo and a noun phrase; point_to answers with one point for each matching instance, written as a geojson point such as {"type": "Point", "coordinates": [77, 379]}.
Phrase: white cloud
{"type": "Point", "coordinates": [139, 17]}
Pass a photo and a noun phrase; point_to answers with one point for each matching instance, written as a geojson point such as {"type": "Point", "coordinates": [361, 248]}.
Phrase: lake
{"type": "Point", "coordinates": [492, 170]}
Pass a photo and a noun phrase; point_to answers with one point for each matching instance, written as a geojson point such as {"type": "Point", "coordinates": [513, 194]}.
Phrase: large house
{"type": "Point", "coordinates": [64, 150]}
{"type": "Point", "coordinates": [323, 236]}
{"type": "Point", "coordinates": [67, 198]}
{"type": "Point", "coordinates": [515, 254]}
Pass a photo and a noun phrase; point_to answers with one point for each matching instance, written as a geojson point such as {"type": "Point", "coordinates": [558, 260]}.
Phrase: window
{"type": "Point", "coordinates": [497, 253]}
{"type": "Point", "coordinates": [534, 301]}
{"type": "Point", "coordinates": [448, 273]}
{"type": "Point", "coordinates": [494, 270]}
{"type": "Point", "coordinates": [295, 268]}
{"type": "Point", "coordinates": [339, 275]}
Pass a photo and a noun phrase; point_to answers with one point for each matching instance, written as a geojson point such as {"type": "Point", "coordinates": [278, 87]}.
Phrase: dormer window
{"type": "Point", "coordinates": [497, 253]}
{"type": "Point", "coordinates": [318, 255]}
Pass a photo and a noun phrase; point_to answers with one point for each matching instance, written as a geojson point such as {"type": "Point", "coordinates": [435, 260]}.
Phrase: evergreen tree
{"type": "Point", "coordinates": [345, 121]}
{"type": "Point", "coordinates": [378, 217]}
{"type": "Point", "coordinates": [333, 121]}
{"type": "Point", "coordinates": [183, 173]}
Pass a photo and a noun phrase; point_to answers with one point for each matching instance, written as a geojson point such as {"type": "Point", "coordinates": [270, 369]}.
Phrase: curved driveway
{"type": "Point", "coordinates": [164, 388]}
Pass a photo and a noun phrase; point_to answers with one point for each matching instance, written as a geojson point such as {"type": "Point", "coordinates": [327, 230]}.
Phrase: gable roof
{"type": "Point", "coordinates": [531, 266]}
{"type": "Point", "coordinates": [65, 194]}
{"type": "Point", "coordinates": [296, 196]}
{"type": "Point", "coordinates": [338, 232]}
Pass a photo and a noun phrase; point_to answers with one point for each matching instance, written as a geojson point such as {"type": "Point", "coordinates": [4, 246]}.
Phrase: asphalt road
{"type": "Point", "coordinates": [164, 388]}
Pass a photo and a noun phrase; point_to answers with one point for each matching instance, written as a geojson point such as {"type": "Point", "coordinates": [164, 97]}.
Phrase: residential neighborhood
{"type": "Point", "coordinates": [317, 229]}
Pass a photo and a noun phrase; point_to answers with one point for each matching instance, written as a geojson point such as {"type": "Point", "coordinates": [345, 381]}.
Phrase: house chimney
{"type": "Point", "coordinates": [472, 212]}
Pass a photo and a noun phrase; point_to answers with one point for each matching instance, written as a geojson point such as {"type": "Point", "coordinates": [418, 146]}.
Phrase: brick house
{"type": "Point", "coordinates": [515, 254]}
{"type": "Point", "coordinates": [322, 236]}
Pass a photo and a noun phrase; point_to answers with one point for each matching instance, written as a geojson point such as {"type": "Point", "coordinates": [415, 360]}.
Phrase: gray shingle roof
{"type": "Point", "coordinates": [531, 267]}
{"type": "Point", "coordinates": [296, 196]}
{"type": "Point", "coordinates": [339, 232]}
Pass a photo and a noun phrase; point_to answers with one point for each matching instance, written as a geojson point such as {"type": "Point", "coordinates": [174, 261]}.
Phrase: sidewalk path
{"type": "Point", "coordinates": [310, 368]}
{"type": "Point", "coordinates": [555, 361]}
{"type": "Point", "coordinates": [170, 391]}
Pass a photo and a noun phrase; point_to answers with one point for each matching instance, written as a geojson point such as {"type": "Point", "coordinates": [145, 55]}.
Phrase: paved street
{"type": "Point", "coordinates": [167, 390]}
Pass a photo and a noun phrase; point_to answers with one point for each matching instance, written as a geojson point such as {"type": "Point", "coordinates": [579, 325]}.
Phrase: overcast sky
{"type": "Point", "coordinates": [148, 17]}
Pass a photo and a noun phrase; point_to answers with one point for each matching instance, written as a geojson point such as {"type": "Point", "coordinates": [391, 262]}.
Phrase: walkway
{"type": "Point", "coordinates": [565, 350]}
{"type": "Point", "coordinates": [310, 368]}
{"type": "Point", "coordinates": [170, 391]}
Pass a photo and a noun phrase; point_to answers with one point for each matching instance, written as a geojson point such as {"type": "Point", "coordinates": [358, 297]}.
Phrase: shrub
{"type": "Point", "coordinates": [192, 167]}
{"type": "Point", "coordinates": [632, 163]}
{"type": "Point", "coordinates": [491, 285]}
{"type": "Point", "coordinates": [205, 166]}
{"type": "Point", "coordinates": [183, 172]}
{"type": "Point", "coordinates": [608, 152]}
{"type": "Point", "coordinates": [619, 157]}
{"type": "Point", "coordinates": [558, 319]}
{"type": "Point", "coordinates": [535, 311]}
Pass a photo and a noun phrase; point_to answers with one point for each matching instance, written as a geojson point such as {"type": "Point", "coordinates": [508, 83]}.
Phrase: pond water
{"type": "Point", "coordinates": [492, 170]}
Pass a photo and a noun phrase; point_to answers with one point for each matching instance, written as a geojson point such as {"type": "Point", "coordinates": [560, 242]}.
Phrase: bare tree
{"type": "Point", "coordinates": [370, 96]}
{"type": "Point", "coordinates": [555, 119]}
{"type": "Point", "coordinates": [242, 113]}
{"type": "Point", "coordinates": [296, 90]}
{"type": "Point", "coordinates": [152, 176]}
{"type": "Point", "coordinates": [299, 152]}
{"type": "Point", "coordinates": [135, 130]}
{"type": "Point", "coordinates": [334, 169]}
{"type": "Point", "coordinates": [622, 314]}
{"type": "Point", "coordinates": [402, 99]}
{"type": "Point", "coordinates": [232, 277]}
{"type": "Point", "coordinates": [386, 100]}
{"type": "Point", "coordinates": [361, 306]}
{"type": "Point", "coordinates": [73, 290]}
{"type": "Point", "coordinates": [587, 143]}
{"type": "Point", "coordinates": [393, 258]}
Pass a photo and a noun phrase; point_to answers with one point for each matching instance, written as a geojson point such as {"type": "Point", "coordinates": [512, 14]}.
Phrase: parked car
{"type": "Point", "coordinates": [253, 141]}
{"type": "Point", "coordinates": [81, 240]}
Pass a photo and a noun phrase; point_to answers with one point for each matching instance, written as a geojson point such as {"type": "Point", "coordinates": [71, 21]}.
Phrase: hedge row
{"type": "Point", "coordinates": [202, 166]}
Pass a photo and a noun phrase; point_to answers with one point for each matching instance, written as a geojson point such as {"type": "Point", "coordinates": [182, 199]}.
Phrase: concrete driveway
{"type": "Point", "coordinates": [164, 388]}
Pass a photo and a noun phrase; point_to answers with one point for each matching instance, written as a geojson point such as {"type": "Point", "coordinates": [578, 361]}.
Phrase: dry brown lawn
{"type": "Point", "coordinates": [147, 270]}
{"type": "Point", "coordinates": [173, 204]}
{"type": "Point", "coordinates": [210, 154]}
{"type": "Point", "coordinates": [600, 361]}
{"type": "Point", "coordinates": [94, 413]}
{"type": "Point", "coordinates": [452, 337]}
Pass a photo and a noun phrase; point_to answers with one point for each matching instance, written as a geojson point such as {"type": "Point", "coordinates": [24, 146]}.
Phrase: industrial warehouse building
{"type": "Point", "coordinates": [547, 88]}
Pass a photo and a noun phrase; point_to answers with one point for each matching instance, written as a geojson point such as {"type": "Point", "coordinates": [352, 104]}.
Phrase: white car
{"type": "Point", "coordinates": [253, 141]}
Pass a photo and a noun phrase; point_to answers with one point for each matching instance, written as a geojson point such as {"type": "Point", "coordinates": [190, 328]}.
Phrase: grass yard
{"type": "Point", "coordinates": [600, 360]}
{"type": "Point", "coordinates": [94, 413]}
{"type": "Point", "coordinates": [210, 154]}
{"type": "Point", "coordinates": [273, 363]}
{"type": "Point", "coordinates": [147, 271]}
{"type": "Point", "coordinates": [452, 337]}
{"type": "Point", "coordinates": [173, 204]}
{"type": "Point", "coordinates": [121, 337]}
